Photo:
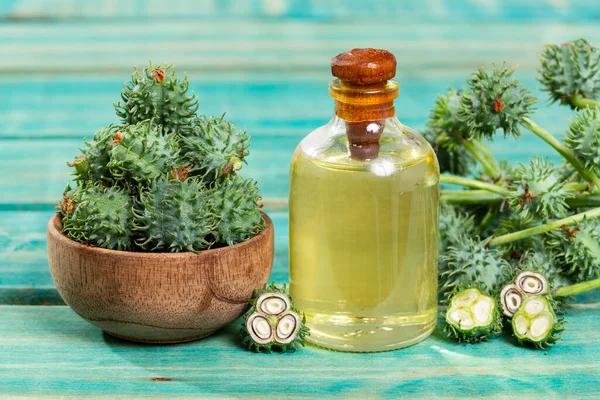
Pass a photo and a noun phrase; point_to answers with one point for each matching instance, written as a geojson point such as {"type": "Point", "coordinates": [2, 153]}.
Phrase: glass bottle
{"type": "Point", "coordinates": [364, 217]}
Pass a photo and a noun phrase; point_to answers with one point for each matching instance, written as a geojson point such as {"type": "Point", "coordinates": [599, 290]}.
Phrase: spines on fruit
{"type": "Point", "coordinates": [98, 216]}
{"type": "Point", "coordinates": [214, 147]}
{"type": "Point", "coordinates": [174, 216]}
{"type": "Point", "coordinates": [140, 154]}
{"type": "Point", "coordinates": [156, 93]}
{"type": "Point", "coordinates": [236, 203]}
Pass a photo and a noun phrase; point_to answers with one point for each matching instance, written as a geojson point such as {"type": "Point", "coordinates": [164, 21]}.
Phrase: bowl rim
{"type": "Point", "coordinates": [55, 230]}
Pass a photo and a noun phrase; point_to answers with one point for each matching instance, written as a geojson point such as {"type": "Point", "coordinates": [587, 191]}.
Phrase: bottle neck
{"type": "Point", "coordinates": [355, 103]}
{"type": "Point", "coordinates": [364, 109]}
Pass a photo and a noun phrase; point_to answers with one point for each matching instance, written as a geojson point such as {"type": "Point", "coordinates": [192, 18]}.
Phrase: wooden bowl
{"type": "Point", "coordinates": [159, 297]}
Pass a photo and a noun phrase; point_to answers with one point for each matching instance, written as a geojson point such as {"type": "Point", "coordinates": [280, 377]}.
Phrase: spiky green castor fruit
{"type": "Point", "coordinates": [471, 263]}
{"type": "Point", "coordinates": [444, 117]}
{"type": "Point", "coordinates": [570, 69]}
{"type": "Point", "coordinates": [92, 164]}
{"type": "Point", "coordinates": [98, 216]}
{"type": "Point", "coordinates": [173, 216]}
{"type": "Point", "coordinates": [538, 189]}
{"type": "Point", "coordinates": [577, 248]}
{"type": "Point", "coordinates": [583, 137]}
{"type": "Point", "coordinates": [535, 322]}
{"type": "Point", "coordinates": [496, 101]}
{"type": "Point", "coordinates": [453, 159]}
{"type": "Point", "coordinates": [140, 154]}
{"type": "Point", "coordinates": [569, 174]}
{"type": "Point", "coordinates": [517, 249]}
{"type": "Point", "coordinates": [445, 132]}
{"type": "Point", "coordinates": [156, 93]}
{"type": "Point", "coordinates": [272, 323]}
{"type": "Point", "coordinates": [452, 225]}
{"type": "Point", "coordinates": [214, 147]}
{"type": "Point", "coordinates": [472, 316]}
{"type": "Point", "coordinates": [235, 202]}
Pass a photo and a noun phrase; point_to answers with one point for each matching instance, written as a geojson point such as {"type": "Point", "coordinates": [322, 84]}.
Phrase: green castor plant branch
{"type": "Point", "coordinates": [497, 101]}
{"type": "Point", "coordinates": [577, 288]}
{"type": "Point", "coordinates": [569, 155]}
{"type": "Point", "coordinates": [272, 324]}
{"type": "Point", "coordinates": [547, 227]}
{"type": "Point", "coordinates": [528, 234]}
{"type": "Point", "coordinates": [448, 134]}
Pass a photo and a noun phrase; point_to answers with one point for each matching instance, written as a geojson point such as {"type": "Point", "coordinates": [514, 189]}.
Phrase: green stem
{"type": "Point", "coordinates": [473, 183]}
{"type": "Point", "coordinates": [577, 288]}
{"type": "Point", "coordinates": [442, 138]}
{"type": "Point", "coordinates": [469, 197]}
{"type": "Point", "coordinates": [483, 160]}
{"type": "Point", "coordinates": [584, 200]}
{"type": "Point", "coordinates": [486, 197]}
{"type": "Point", "coordinates": [576, 187]}
{"type": "Point", "coordinates": [488, 219]}
{"type": "Point", "coordinates": [487, 154]}
{"type": "Point", "coordinates": [579, 101]}
{"type": "Point", "coordinates": [536, 230]}
{"type": "Point", "coordinates": [567, 153]}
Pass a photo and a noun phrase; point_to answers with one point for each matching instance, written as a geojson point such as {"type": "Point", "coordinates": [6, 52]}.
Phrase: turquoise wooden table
{"type": "Point", "coordinates": [265, 63]}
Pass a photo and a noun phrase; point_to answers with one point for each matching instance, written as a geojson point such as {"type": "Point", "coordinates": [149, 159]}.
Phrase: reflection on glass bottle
{"type": "Point", "coordinates": [363, 217]}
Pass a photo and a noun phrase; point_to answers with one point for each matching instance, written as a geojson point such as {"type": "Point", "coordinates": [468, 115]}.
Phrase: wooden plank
{"type": "Point", "coordinates": [296, 45]}
{"type": "Point", "coordinates": [24, 274]}
{"type": "Point", "coordinates": [41, 175]}
{"type": "Point", "coordinates": [48, 352]}
{"type": "Point", "coordinates": [34, 146]}
{"type": "Point", "coordinates": [76, 106]}
{"type": "Point", "coordinates": [323, 9]}
{"type": "Point", "coordinates": [37, 180]}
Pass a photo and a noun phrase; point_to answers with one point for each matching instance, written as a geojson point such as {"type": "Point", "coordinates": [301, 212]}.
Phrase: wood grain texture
{"type": "Point", "coordinates": [51, 352]}
{"type": "Point", "coordinates": [34, 150]}
{"type": "Point", "coordinates": [285, 104]}
{"type": "Point", "coordinates": [436, 10]}
{"type": "Point", "coordinates": [240, 45]}
{"type": "Point", "coordinates": [159, 297]}
{"type": "Point", "coordinates": [265, 62]}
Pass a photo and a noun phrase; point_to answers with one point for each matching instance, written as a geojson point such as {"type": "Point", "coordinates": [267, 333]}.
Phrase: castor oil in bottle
{"type": "Point", "coordinates": [363, 217]}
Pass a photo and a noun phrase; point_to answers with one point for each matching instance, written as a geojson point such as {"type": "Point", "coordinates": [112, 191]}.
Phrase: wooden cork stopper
{"type": "Point", "coordinates": [364, 99]}
{"type": "Point", "coordinates": [364, 66]}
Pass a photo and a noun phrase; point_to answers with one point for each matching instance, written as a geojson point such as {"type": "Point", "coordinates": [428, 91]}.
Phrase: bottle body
{"type": "Point", "coordinates": [363, 239]}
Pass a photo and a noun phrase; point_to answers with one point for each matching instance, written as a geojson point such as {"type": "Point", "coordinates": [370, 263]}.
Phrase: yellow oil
{"type": "Point", "coordinates": [363, 248]}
